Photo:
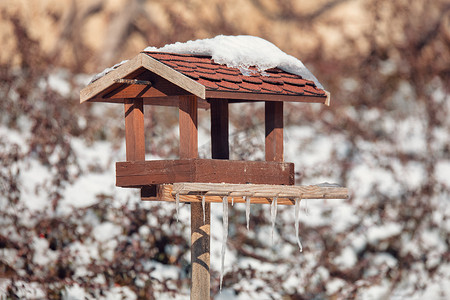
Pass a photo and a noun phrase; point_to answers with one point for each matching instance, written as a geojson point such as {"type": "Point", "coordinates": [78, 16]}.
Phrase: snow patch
{"type": "Point", "coordinates": [106, 71]}
{"type": "Point", "coordinates": [442, 172]}
{"type": "Point", "coordinates": [376, 234]}
{"type": "Point", "coordinates": [106, 231]}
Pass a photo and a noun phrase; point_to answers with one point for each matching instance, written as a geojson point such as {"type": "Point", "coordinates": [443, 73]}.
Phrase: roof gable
{"type": "Point", "coordinates": [183, 74]}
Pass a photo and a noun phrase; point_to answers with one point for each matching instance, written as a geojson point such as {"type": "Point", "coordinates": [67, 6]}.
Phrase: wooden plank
{"type": "Point", "coordinates": [261, 190]}
{"type": "Point", "coordinates": [132, 174]}
{"type": "Point", "coordinates": [264, 97]}
{"type": "Point", "coordinates": [274, 131]}
{"type": "Point", "coordinates": [141, 173]}
{"type": "Point", "coordinates": [220, 148]}
{"type": "Point", "coordinates": [259, 194]}
{"type": "Point", "coordinates": [242, 172]}
{"type": "Point", "coordinates": [134, 129]}
{"type": "Point", "coordinates": [188, 127]}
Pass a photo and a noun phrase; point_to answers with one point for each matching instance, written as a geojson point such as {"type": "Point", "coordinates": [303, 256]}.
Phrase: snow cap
{"type": "Point", "coordinates": [243, 52]}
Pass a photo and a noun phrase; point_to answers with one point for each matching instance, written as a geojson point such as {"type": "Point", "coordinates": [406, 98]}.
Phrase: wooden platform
{"type": "Point", "coordinates": [258, 193]}
{"type": "Point", "coordinates": [145, 173]}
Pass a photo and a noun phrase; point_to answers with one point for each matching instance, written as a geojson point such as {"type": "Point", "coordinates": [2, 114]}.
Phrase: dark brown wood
{"type": "Point", "coordinates": [274, 131]}
{"type": "Point", "coordinates": [142, 173]}
{"type": "Point", "coordinates": [134, 129]}
{"type": "Point", "coordinates": [188, 127]}
{"type": "Point", "coordinates": [220, 148]}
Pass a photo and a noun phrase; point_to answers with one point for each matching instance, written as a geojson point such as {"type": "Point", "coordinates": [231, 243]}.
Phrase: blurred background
{"type": "Point", "coordinates": [67, 232]}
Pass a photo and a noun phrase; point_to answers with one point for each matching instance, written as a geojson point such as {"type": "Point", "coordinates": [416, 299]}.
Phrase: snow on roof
{"type": "Point", "coordinates": [243, 52]}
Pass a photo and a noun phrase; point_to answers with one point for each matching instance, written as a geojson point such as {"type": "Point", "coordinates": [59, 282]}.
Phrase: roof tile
{"type": "Point", "coordinates": [271, 88]}
{"type": "Point", "coordinates": [209, 76]}
{"type": "Point", "coordinates": [252, 79]}
{"type": "Point", "coordinates": [229, 85]}
{"type": "Point", "coordinates": [272, 80]}
{"type": "Point", "coordinates": [251, 87]}
{"type": "Point", "coordinates": [208, 84]}
{"type": "Point", "coordinates": [297, 81]}
{"type": "Point", "coordinates": [229, 71]}
{"type": "Point", "coordinates": [293, 89]}
{"type": "Point", "coordinates": [231, 78]}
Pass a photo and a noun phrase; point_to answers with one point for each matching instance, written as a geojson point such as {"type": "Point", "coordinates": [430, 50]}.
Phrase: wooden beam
{"type": "Point", "coordinates": [220, 148]}
{"type": "Point", "coordinates": [134, 129]}
{"type": "Point", "coordinates": [264, 97]}
{"type": "Point", "coordinates": [141, 173]}
{"type": "Point", "coordinates": [274, 131]}
{"type": "Point", "coordinates": [259, 194]}
{"type": "Point", "coordinates": [200, 251]}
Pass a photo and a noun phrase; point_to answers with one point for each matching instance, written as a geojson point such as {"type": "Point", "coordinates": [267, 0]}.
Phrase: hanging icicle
{"type": "Point", "coordinates": [203, 206]}
{"type": "Point", "coordinates": [247, 210]}
{"type": "Point", "coordinates": [273, 213]}
{"type": "Point", "coordinates": [225, 236]}
{"type": "Point", "coordinates": [177, 203]}
{"type": "Point", "coordinates": [232, 201]}
{"type": "Point", "coordinates": [296, 218]}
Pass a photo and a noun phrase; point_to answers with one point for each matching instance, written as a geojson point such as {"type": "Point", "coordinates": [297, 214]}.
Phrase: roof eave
{"type": "Point", "coordinates": [243, 96]}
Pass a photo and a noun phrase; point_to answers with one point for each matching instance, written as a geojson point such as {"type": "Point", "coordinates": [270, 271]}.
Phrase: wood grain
{"type": "Point", "coordinates": [134, 129]}
{"type": "Point", "coordinates": [141, 173]}
{"type": "Point", "coordinates": [259, 194]}
{"type": "Point", "coordinates": [188, 127]}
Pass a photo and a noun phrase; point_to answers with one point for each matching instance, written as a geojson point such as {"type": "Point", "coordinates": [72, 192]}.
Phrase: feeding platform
{"type": "Point", "coordinates": [202, 80]}
{"type": "Point", "coordinates": [239, 193]}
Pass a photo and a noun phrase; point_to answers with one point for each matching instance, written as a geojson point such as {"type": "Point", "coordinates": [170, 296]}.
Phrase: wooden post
{"type": "Point", "coordinates": [220, 148]}
{"type": "Point", "coordinates": [274, 130]}
{"type": "Point", "coordinates": [200, 232]}
{"type": "Point", "coordinates": [134, 129]}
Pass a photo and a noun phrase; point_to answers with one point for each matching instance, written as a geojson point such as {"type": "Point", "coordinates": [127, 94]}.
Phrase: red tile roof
{"type": "Point", "coordinates": [216, 77]}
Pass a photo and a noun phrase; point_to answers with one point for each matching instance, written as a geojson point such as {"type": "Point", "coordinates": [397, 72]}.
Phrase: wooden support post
{"type": "Point", "coordinates": [220, 148]}
{"type": "Point", "coordinates": [134, 129]}
{"type": "Point", "coordinates": [188, 127]}
{"type": "Point", "coordinates": [200, 232]}
{"type": "Point", "coordinates": [274, 130]}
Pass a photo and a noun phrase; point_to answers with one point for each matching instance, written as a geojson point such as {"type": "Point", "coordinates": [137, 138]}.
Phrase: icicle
{"type": "Point", "coordinates": [232, 201]}
{"type": "Point", "coordinates": [177, 201]}
{"type": "Point", "coordinates": [273, 214]}
{"type": "Point", "coordinates": [247, 210]}
{"type": "Point", "coordinates": [297, 210]}
{"type": "Point", "coordinates": [225, 236]}
{"type": "Point", "coordinates": [203, 206]}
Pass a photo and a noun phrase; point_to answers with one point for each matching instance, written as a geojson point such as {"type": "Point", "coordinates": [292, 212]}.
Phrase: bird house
{"type": "Point", "coordinates": [191, 82]}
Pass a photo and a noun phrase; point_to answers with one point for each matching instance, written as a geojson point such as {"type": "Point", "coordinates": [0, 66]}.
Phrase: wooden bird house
{"type": "Point", "coordinates": [192, 82]}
